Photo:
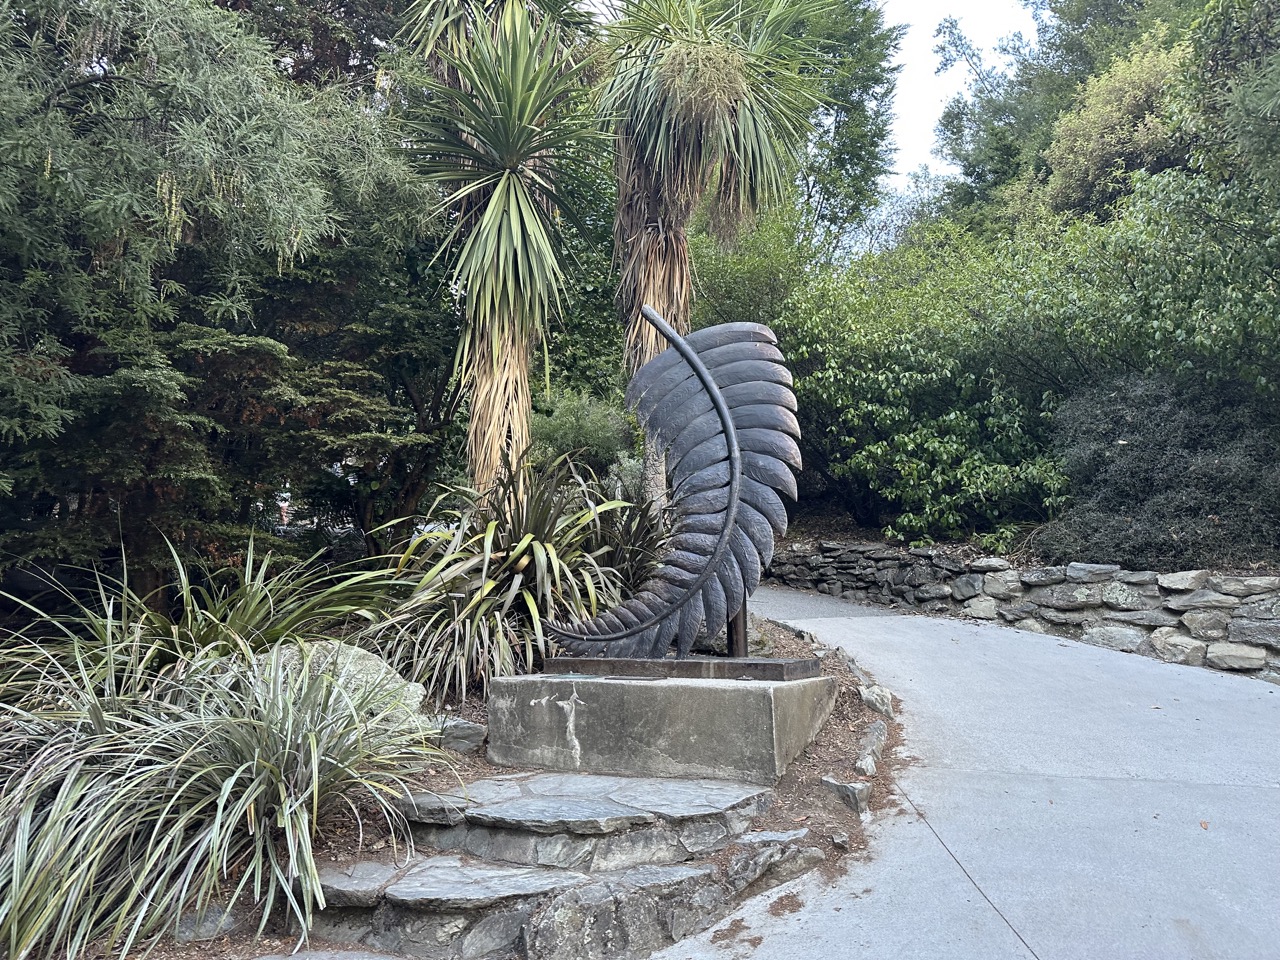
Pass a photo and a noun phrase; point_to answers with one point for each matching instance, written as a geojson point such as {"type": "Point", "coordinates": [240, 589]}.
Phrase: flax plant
{"type": "Point", "coordinates": [506, 131]}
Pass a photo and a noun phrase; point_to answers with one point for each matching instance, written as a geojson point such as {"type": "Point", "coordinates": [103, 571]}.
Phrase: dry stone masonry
{"type": "Point", "coordinates": [1193, 617]}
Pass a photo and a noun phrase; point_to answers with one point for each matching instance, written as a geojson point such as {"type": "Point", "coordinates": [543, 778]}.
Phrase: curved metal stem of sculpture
{"type": "Point", "coordinates": [719, 404]}
{"type": "Point", "coordinates": [735, 481]}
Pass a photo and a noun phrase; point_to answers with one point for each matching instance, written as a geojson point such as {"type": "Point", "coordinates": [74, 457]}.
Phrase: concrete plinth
{"type": "Point", "coordinates": [691, 668]}
{"type": "Point", "coordinates": [724, 729]}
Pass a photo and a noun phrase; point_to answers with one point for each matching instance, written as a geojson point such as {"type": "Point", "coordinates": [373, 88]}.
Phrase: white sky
{"type": "Point", "coordinates": [921, 94]}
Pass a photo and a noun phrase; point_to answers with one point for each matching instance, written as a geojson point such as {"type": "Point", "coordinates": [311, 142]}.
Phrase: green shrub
{"type": "Point", "coordinates": [906, 419]}
{"type": "Point", "coordinates": [1167, 477]}
{"type": "Point", "coordinates": [595, 433]}
{"type": "Point", "coordinates": [490, 570]}
{"type": "Point", "coordinates": [125, 805]}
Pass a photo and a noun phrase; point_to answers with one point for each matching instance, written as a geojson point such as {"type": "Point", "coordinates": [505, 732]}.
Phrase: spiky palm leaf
{"type": "Point", "coordinates": [707, 95]}
{"type": "Point", "coordinates": [719, 403]}
{"type": "Point", "coordinates": [509, 137]}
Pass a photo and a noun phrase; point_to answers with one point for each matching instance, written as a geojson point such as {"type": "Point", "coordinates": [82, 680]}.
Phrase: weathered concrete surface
{"type": "Point", "coordinates": [725, 729]}
{"type": "Point", "coordinates": [691, 668]}
{"type": "Point", "coordinates": [1068, 803]}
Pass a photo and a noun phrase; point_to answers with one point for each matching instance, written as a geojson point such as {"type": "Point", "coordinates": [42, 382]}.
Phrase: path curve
{"type": "Point", "coordinates": [1067, 802]}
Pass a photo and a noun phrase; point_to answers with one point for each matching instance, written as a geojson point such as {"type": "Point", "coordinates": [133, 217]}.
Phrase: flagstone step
{"type": "Point", "coordinates": [586, 821]}
{"type": "Point", "coordinates": [448, 907]}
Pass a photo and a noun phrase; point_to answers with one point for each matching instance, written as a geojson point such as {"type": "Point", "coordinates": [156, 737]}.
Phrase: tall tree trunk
{"type": "Point", "coordinates": [501, 404]}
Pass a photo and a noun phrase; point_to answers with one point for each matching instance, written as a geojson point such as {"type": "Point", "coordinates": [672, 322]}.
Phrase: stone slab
{"type": "Point", "coordinates": [691, 668]}
{"type": "Point", "coordinates": [358, 884]}
{"type": "Point", "coordinates": [450, 884]}
{"type": "Point", "coordinates": [717, 729]}
{"type": "Point", "coordinates": [560, 815]}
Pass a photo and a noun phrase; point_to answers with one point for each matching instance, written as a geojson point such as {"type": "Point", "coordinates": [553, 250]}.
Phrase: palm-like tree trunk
{"type": "Point", "coordinates": [497, 375]}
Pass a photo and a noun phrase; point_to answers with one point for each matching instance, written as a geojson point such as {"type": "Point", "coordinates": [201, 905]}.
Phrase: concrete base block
{"type": "Point", "coordinates": [745, 730]}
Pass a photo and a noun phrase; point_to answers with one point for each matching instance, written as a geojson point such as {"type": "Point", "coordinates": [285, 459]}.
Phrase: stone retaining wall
{"type": "Point", "coordinates": [1195, 617]}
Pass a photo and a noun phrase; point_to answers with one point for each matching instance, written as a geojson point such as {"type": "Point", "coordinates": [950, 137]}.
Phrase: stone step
{"type": "Point", "coordinates": [446, 907]}
{"type": "Point", "coordinates": [585, 821]}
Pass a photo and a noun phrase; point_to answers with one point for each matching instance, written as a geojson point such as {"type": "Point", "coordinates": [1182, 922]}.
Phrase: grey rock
{"type": "Point", "coordinates": [746, 731]}
{"type": "Point", "coordinates": [1207, 624]}
{"type": "Point", "coordinates": [1127, 597]}
{"type": "Point", "coordinates": [435, 808]}
{"type": "Point", "coordinates": [387, 698]}
{"type": "Point", "coordinates": [216, 921]}
{"type": "Point", "coordinates": [1091, 572]}
{"type": "Point", "coordinates": [1031, 625]}
{"type": "Point", "coordinates": [865, 766]}
{"type": "Point", "coordinates": [463, 736]}
{"type": "Point", "coordinates": [925, 552]}
{"type": "Point", "coordinates": [920, 576]}
{"type": "Point", "coordinates": [498, 932]}
{"type": "Point", "coordinates": [1044, 576]}
{"type": "Point", "coordinates": [626, 914]}
{"type": "Point", "coordinates": [855, 796]}
{"type": "Point", "coordinates": [982, 608]}
{"type": "Point", "coordinates": [933, 591]}
{"type": "Point", "coordinates": [873, 739]}
{"type": "Point", "coordinates": [949, 564]}
{"type": "Point", "coordinates": [682, 799]}
{"type": "Point", "coordinates": [1261, 608]}
{"type": "Point", "coordinates": [878, 699]}
{"type": "Point", "coordinates": [1236, 656]}
{"type": "Point", "coordinates": [840, 841]}
{"type": "Point", "coordinates": [989, 565]}
{"type": "Point", "coordinates": [699, 836]}
{"type": "Point", "coordinates": [1244, 586]}
{"type": "Point", "coordinates": [1127, 639]}
{"type": "Point", "coordinates": [1175, 646]}
{"type": "Point", "coordinates": [448, 884]}
{"type": "Point", "coordinates": [330, 955]}
{"type": "Point", "coordinates": [1067, 596]}
{"type": "Point", "coordinates": [1019, 611]}
{"type": "Point", "coordinates": [1003, 585]}
{"type": "Point", "coordinates": [1265, 633]}
{"type": "Point", "coordinates": [1138, 576]}
{"type": "Point", "coordinates": [1201, 600]}
{"type": "Point", "coordinates": [1184, 580]}
{"type": "Point", "coordinates": [559, 815]}
{"type": "Point", "coordinates": [1069, 618]}
{"type": "Point", "coordinates": [967, 587]}
{"type": "Point", "coordinates": [759, 837]}
{"type": "Point", "coordinates": [1143, 618]}
{"type": "Point", "coordinates": [359, 884]}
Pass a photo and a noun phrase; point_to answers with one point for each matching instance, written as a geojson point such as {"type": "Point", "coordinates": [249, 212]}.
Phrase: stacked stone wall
{"type": "Point", "coordinates": [1195, 617]}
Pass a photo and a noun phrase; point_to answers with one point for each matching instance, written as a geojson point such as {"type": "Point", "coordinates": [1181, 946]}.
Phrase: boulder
{"type": "Point", "coordinates": [1202, 600]}
{"type": "Point", "coordinates": [1003, 585]}
{"type": "Point", "coordinates": [1175, 646]}
{"type": "Point", "coordinates": [1091, 572]}
{"type": "Point", "coordinates": [989, 565]}
{"type": "Point", "coordinates": [1207, 624]}
{"type": "Point", "coordinates": [1127, 639]}
{"type": "Point", "coordinates": [1236, 656]}
{"type": "Point", "coordinates": [1185, 580]}
{"type": "Point", "coordinates": [1044, 576]}
{"type": "Point", "coordinates": [1265, 633]}
{"type": "Point", "coordinates": [967, 587]}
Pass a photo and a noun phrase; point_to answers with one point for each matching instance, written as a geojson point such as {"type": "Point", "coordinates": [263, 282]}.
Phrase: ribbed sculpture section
{"type": "Point", "coordinates": [719, 402]}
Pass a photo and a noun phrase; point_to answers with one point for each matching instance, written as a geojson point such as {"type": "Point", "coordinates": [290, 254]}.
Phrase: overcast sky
{"type": "Point", "coordinates": [921, 94]}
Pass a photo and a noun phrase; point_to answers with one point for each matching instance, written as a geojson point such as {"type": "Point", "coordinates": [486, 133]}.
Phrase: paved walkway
{"type": "Point", "coordinates": [1067, 802]}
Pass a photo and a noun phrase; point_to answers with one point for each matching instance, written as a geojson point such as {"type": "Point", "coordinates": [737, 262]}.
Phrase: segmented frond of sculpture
{"type": "Point", "coordinates": [719, 402]}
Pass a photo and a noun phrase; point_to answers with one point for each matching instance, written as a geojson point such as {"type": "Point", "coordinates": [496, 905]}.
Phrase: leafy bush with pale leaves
{"type": "Point", "coordinates": [127, 803]}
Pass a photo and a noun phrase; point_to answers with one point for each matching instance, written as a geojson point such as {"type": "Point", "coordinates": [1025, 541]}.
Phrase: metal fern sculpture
{"type": "Point", "coordinates": [719, 402]}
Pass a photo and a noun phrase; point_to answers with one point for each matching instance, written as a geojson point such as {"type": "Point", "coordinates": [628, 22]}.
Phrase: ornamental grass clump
{"type": "Point", "coordinates": [125, 805]}
{"type": "Point", "coordinates": [491, 569]}
{"type": "Point", "coordinates": [204, 611]}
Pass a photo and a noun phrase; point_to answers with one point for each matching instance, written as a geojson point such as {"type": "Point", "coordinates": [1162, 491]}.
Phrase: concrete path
{"type": "Point", "coordinates": [1067, 802]}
